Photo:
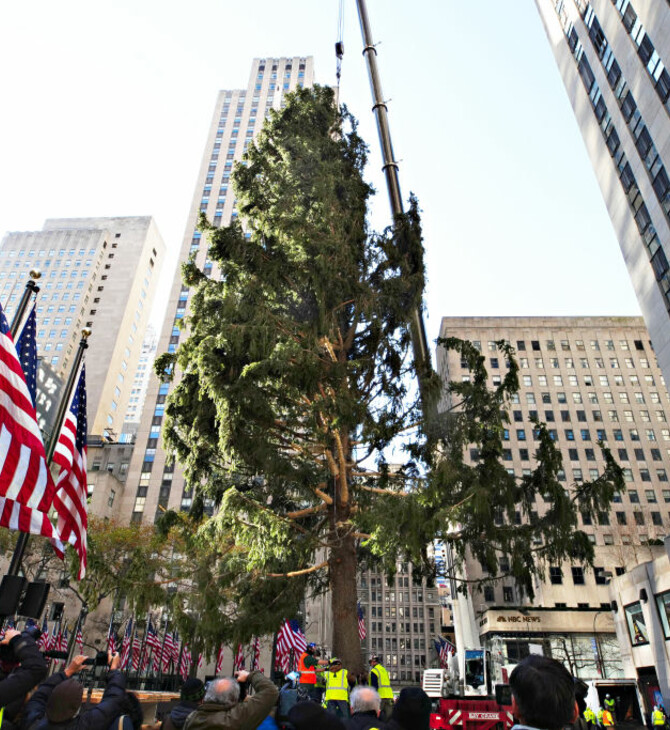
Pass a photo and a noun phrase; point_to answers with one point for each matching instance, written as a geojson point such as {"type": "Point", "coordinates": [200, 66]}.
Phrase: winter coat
{"type": "Point", "coordinates": [365, 721]}
{"type": "Point", "coordinates": [246, 715]}
{"type": "Point", "coordinates": [177, 717]}
{"type": "Point", "coordinates": [111, 706]}
{"type": "Point", "coordinates": [31, 671]}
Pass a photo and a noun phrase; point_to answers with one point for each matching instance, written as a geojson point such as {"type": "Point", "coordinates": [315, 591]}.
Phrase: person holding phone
{"type": "Point", "coordinates": [56, 703]}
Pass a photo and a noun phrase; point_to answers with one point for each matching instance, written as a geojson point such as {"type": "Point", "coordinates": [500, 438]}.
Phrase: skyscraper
{"type": "Point", "coordinates": [154, 483]}
{"type": "Point", "coordinates": [610, 54]}
{"type": "Point", "coordinates": [100, 273]}
{"type": "Point", "coordinates": [589, 379]}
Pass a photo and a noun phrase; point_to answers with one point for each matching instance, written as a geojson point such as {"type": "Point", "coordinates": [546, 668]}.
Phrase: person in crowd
{"type": "Point", "coordinates": [337, 689]}
{"type": "Point", "coordinates": [379, 679]}
{"type": "Point", "coordinates": [56, 703]}
{"type": "Point", "coordinates": [657, 717]}
{"type": "Point", "coordinates": [411, 710]}
{"type": "Point", "coordinates": [132, 717]}
{"type": "Point", "coordinates": [222, 709]}
{"type": "Point", "coordinates": [190, 698]}
{"type": "Point", "coordinates": [365, 704]}
{"type": "Point", "coordinates": [543, 694]}
{"type": "Point", "coordinates": [22, 667]}
{"type": "Point", "coordinates": [310, 716]}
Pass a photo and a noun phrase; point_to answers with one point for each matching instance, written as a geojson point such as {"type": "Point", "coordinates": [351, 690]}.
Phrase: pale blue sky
{"type": "Point", "coordinates": [106, 106]}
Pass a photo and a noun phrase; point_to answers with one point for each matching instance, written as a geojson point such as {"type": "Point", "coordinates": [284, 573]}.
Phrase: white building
{"type": "Point", "coordinates": [612, 56]}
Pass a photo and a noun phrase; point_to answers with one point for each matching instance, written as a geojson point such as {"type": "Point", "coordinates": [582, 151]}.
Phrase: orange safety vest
{"type": "Point", "coordinates": [607, 719]}
{"type": "Point", "coordinates": [307, 674]}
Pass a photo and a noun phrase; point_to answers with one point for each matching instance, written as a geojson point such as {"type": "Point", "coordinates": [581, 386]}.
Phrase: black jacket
{"type": "Point", "coordinates": [31, 671]}
{"type": "Point", "coordinates": [97, 718]}
{"type": "Point", "coordinates": [365, 721]}
{"type": "Point", "coordinates": [177, 717]}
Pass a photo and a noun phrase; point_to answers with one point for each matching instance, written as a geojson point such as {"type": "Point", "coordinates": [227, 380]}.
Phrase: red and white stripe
{"type": "Point", "coordinates": [26, 487]}
{"type": "Point", "coordinates": [71, 497]}
{"type": "Point", "coordinates": [219, 661]}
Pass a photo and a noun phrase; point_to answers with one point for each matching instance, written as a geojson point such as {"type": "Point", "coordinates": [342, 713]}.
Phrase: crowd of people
{"type": "Point", "coordinates": [320, 696]}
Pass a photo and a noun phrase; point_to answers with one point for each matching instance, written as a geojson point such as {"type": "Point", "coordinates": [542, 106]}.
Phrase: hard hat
{"type": "Point", "coordinates": [373, 658]}
{"type": "Point", "coordinates": [293, 676]}
{"type": "Point", "coordinates": [335, 660]}
{"type": "Point", "coordinates": [607, 697]}
{"type": "Point", "coordinates": [311, 645]}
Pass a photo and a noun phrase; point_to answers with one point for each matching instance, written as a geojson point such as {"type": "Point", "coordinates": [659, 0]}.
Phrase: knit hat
{"type": "Point", "coordinates": [412, 709]}
{"type": "Point", "coordinates": [193, 690]}
{"type": "Point", "coordinates": [65, 701]}
{"type": "Point", "coordinates": [310, 715]}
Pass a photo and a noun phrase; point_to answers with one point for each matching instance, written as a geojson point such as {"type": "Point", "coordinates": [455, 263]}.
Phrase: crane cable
{"type": "Point", "coordinates": [339, 44]}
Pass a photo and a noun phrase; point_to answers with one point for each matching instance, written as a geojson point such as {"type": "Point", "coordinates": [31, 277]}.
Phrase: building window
{"type": "Point", "coordinates": [556, 575]}
{"type": "Point", "coordinates": [663, 606]}
{"type": "Point", "coordinates": [577, 575]}
{"type": "Point", "coordinates": [637, 626]}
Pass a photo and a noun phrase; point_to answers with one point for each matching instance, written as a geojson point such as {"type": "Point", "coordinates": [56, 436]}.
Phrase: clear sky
{"type": "Point", "coordinates": [106, 106]}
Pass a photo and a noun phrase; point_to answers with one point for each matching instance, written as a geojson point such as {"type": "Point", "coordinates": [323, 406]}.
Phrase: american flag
{"type": "Point", "coordinates": [70, 455]}
{"type": "Point", "coordinates": [290, 636]}
{"type": "Point", "coordinates": [79, 640]}
{"type": "Point", "coordinates": [111, 641]}
{"type": "Point", "coordinates": [201, 660]}
{"type": "Point", "coordinates": [444, 650]}
{"type": "Point", "coordinates": [362, 633]}
{"type": "Point", "coordinates": [168, 651]}
{"type": "Point", "coordinates": [238, 662]}
{"type": "Point", "coordinates": [126, 644]}
{"type": "Point", "coordinates": [63, 640]}
{"type": "Point", "coordinates": [158, 658]}
{"type": "Point", "coordinates": [137, 651]}
{"type": "Point", "coordinates": [219, 661]}
{"type": "Point", "coordinates": [152, 639]}
{"type": "Point", "coordinates": [256, 654]}
{"type": "Point", "coordinates": [185, 663]}
{"type": "Point", "coordinates": [26, 348]}
{"type": "Point", "coordinates": [44, 643]}
{"type": "Point", "coordinates": [26, 487]}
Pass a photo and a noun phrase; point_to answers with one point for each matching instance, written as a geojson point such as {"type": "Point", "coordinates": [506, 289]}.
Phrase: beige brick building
{"type": "Point", "coordinates": [100, 273]}
{"type": "Point", "coordinates": [588, 379]}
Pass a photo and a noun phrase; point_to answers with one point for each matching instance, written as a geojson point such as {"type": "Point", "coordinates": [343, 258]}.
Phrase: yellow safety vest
{"type": "Point", "coordinates": [337, 687]}
{"type": "Point", "coordinates": [383, 682]}
{"type": "Point", "coordinates": [589, 715]}
{"type": "Point", "coordinates": [657, 718]}
{"type": "Point", "coordinates": [2, 712]}
{"type": "Point", "coordinates": [609, 704]}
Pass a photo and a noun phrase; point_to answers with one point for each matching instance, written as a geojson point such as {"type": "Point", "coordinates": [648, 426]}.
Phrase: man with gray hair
{"type": "Point", "coordinates": [365, 704]}
{"type": "Point", "coordinates": [222, 710]}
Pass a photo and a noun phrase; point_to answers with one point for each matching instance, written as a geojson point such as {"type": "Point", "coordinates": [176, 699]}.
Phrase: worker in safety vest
{"type": "Point", "coordinates": [590, 717]}
{"type": "Point", "coordinates": [599, 716]}
{"type": "Point", "coordinates": [308, 666]}
{"type": "Point", "coordinates": [336, 699]}
{"type": "Point", "coordinates": [607, 719]}
{"type": "Point", "coordinates": [657, 716]}
{"type": "Point", "coordinates": [609, 704]}
{"type": "Point", "coordinates": [379, 679]}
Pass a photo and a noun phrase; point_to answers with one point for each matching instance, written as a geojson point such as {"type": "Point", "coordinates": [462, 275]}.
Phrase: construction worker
{"type": "Point", "coordinates": [599, 716]}
{"type": "Point", "coordinates": [609, 704]}
{"type": "Point", "coordinates": [590, 717]}
{"type": "Point", "coordinates": [308, 666]}
{"type": "Point", "coordinates": [379, 679]}
{"type": "Point", "coordinates": [607, 718]}
{"type": "Point", "coordinates": [336, 698]}
{"type": "Point", "coordinates": [657, 716]}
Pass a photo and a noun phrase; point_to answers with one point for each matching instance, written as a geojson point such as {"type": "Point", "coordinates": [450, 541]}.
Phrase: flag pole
{"type": "Point", "coordinates": [30, 289]}
{"type": "Point", "coordinates": [50, 446]}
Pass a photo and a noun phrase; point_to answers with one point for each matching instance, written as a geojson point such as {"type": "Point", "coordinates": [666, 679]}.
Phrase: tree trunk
{"type": "Point", "coordinates": [346, 642]}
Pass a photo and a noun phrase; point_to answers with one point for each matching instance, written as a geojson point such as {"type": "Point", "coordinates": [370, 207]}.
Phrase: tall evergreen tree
{"type": "Point", "coordinates": [296, 375]}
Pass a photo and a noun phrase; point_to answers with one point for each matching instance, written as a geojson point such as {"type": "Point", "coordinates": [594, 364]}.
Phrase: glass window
{"type": "Point", "coordinates": [637, 627]}
{"type": "Point", "coordinates": [663, 605]}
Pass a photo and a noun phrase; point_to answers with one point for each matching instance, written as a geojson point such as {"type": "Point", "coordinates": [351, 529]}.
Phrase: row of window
{"type": "Point", "coordinates": [569, 363]}
{"type": "Point", "coordinates": [403, 627]}
{"type": "Point", "coordinates": [631, 114]}
{"type": "Point", "coordinates": [564, 345]}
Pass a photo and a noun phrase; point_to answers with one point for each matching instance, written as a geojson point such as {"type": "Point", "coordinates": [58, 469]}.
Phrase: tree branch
{"type": "Point", "coordinates": [304, 571]}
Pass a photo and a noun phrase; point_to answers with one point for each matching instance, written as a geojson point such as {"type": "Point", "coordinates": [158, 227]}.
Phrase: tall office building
{"type": "Point", "coordinates": [154, 483]}
{"type": "Point", "coordinates": [100, 273]}
{"type": "Point", "coordinates": [588, 379]}
{"type": "Point", "coordinates": [612, 56]}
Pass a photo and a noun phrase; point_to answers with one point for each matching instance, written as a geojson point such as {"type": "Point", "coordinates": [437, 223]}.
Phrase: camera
{"type": "Point", "coordinates": [99, 660]}
{"type": "Point", "coordinates": [7, 653]}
